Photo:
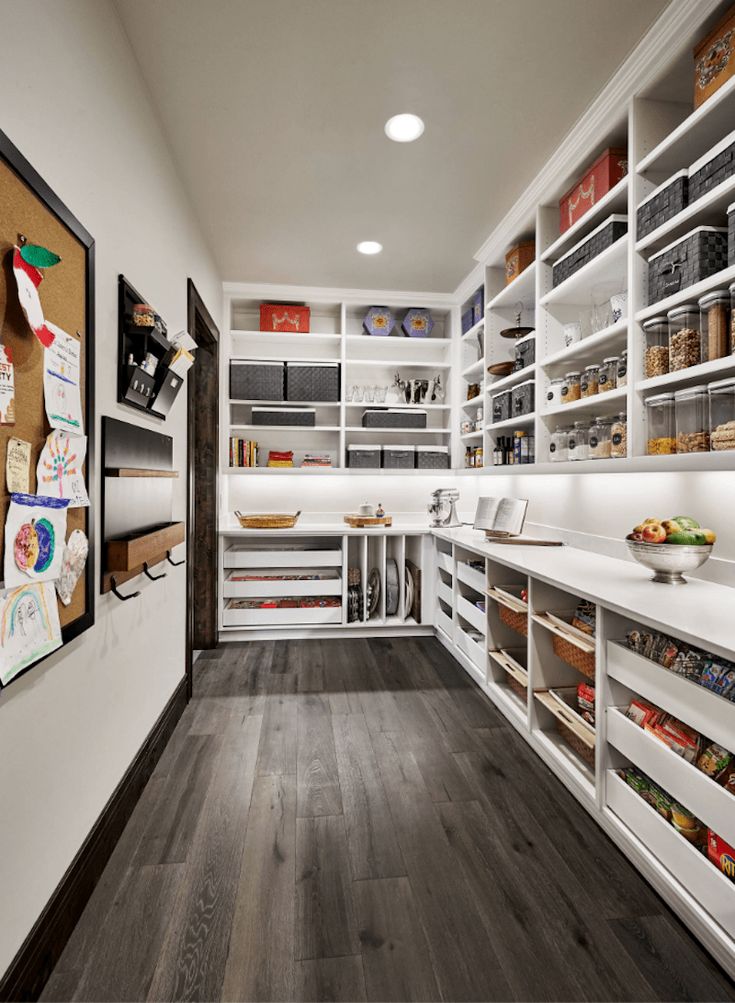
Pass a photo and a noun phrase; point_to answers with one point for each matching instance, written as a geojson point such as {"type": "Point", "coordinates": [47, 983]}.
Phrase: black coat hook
{"type": "Point", "coordinates": [176, 564]}
{"type": "Point", "coordinates": [120, 596]}
{"type": "Point", "coordinates": [147, 573]}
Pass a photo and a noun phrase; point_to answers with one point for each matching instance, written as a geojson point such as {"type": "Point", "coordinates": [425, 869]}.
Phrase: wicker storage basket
{"type": "Point", "coordinates": [518, 688]}
{"type": "Point", "coordinates": [517, 621]}
{"type": "Point", "coordinates": [584, 751]}
{"type": "Point", "coordinates": [582, 661]}
{"type": "Point", "coordinates": [269, 521]}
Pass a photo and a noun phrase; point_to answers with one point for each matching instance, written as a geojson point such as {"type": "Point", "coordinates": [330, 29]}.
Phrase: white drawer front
{"type": "Point", "coordinates": [445, 562]}
{"type": "Point", "coordinates": [471, 577]}
{"type": "Point", "coordinates": [445, 593]}
{"type": "Point", "coordinates": [242, 556]}
{"type": "Point", "coordinates": [280, 617]}
{"type": "Point", "coordinates": [444, 622]}
{"type": "Point", "coordinates": [328, 584]}
{"type": "Point", "coordinates": [471, 613]}
{"type": "Point", "coordinates": [474, 651]}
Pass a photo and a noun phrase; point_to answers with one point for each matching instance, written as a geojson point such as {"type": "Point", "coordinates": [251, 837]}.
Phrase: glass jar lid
{"type": "Point", "coordinates": [719, 296]}
{"type": "Point", "coordinates": [609, 359]}
{"type": "Point", "coordinates": [655, 322]}
{"type": "Point", "coordinates": [593, 368]}
{"type": "Point", "coordinates": [680, 311]}
{"type": "Point", "coordinates": [699, 391]}
{"type": "Point", "coordinates": [723, 386]}
{"type": "Point", "coordinates": [659, 399]}
{"type": "Point", "coordinates": [572, 375]}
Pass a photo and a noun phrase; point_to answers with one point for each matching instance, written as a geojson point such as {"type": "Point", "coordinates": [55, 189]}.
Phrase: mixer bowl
{"type": "Point", "coordinates": [669, 561]}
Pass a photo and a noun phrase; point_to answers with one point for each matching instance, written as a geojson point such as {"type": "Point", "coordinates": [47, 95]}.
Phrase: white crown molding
{"type": "Point", "coordinates": [322, 294]}
{"type": "Point", "coordinates": [669, 35]}
{"type": "Point", "coordinates": [469, 284]}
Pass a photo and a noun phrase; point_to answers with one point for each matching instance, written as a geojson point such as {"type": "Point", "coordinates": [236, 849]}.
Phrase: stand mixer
{"type": "Point", "coordinates": [442, 508]}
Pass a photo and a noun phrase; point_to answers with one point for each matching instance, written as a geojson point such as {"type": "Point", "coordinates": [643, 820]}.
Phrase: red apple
{"type": "Point", "coordinates": [654, 533]}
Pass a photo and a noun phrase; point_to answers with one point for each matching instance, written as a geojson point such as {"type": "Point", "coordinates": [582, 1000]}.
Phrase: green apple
{"type": "Point", "coordinates": [686, 522]}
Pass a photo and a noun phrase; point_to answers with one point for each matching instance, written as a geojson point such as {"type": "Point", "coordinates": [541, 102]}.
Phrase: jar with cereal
{"type": "Point", "coordinates": [589, 383]}
{"type": "Point", "coordinates": [722, 413]}
{"type": "Point", "coordinates": [571, 390]}
{"type": "Point", "coordinates": [656, 359]}
{"type": "Point", "coordinates": [600, 439]}
{"type": "Point", "coordinates": [714, 322]}
{"type": "Point", "coordinates": [685, 340]}
{"type": "Point", "coordinates": [619, 437]}
{"type": "Point", "coordinates": [608, 379]}
{"type": "Point", "coordinates": [692, 420]}
{"type": "Point", "coordinates": [660, 425]}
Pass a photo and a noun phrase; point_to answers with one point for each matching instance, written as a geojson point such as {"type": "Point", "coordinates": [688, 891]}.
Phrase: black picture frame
{"type": "Point", "coordinates": [21, 167]}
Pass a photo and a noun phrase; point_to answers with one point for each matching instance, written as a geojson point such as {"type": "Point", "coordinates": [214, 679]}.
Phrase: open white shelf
{"type": "Point", "coordinates": [614, 201]}
{"type": "Point", "coordinates": [519, 422]}
{"type": "Point", "coordinates": [472, 436]}
{"type": "Point", "coordinates": [709, 210]}
{"type": "Point", "coordinates": [471, 335]}
{"type": "Point", "coordinates": [511, 379]}
{"type": "Point", "coordinates": [591, 348]}
{"type": "Point", "coordinates": [718, 280]}
{"type": "Point", "coordinates": [705, 371]}
{"type": "Point", "coordinates": [285, 428]}
{"type": "Point", "coordinates": [521, 290]}
{"type": "Point", "coordinates": [609, 267]}
{"type": "Point", "coordinates": [605, 403]}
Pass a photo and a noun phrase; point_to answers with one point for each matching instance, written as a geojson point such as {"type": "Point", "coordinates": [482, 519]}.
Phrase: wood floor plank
{"type": "Point", "coordinates": [278, 736]}
{"type": "Point", "coordinates": [316, 762]}
{"type": "Point", "coordinates": [371, 837]}
{"type": "Point", "coordinates": [395, 955]}
{"type": "Point", "coordinates": [325, 914]}
{"type": "Point", "coordinates": [125, 955]}
{"type": "Point", "coordinates": [260, 962]}
{"type": "Point", "coordinates": [192, 961]}
{"type": "Point", "coordinates": [470, 701]}
{"type": "Point", "coordinates": [310, 667]}
{"type": "Point", "coordinates": [330, 980]}
{"type": "Point", "coordinates": [341, 682]}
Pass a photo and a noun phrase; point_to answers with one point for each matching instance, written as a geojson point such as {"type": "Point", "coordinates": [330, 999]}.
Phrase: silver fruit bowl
{"type": "Point", "coordinates": [669, 561]}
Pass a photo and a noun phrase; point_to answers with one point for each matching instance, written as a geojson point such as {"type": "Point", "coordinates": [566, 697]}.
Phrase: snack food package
{"type": "Point", "coordinates": [721, 854]}
{"type": "Point", "coordinates": [713, 760]}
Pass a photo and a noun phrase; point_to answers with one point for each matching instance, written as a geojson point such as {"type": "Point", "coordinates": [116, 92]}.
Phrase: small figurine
{"type": "Point", "coordinates": [380, 511]}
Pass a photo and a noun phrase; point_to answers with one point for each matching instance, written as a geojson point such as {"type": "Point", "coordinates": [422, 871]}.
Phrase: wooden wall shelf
{"type": "Point", "coordinates": [127, 557]}
{"type": "Point", "coordinates": [138, 472]}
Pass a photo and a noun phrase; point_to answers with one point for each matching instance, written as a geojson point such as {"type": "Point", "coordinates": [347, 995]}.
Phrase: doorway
{"type": "Point", "coordinates": [202, 468]}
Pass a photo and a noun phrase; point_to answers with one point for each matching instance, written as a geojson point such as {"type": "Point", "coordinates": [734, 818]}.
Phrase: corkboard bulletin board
{"type": "Point", "coordinates": [28, 207]}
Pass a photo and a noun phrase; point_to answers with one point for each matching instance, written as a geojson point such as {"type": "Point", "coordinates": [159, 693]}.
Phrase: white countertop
{"type": "Point", "coordinates": [309, 527]}
{"type": "Point", "coordinates": [699, 612]}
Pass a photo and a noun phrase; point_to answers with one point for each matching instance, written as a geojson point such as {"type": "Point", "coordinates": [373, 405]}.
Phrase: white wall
{"type": "Point", "coordinates": [72, 102]}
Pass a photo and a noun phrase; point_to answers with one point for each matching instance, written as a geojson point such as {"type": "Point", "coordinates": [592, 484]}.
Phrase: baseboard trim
{"type": "Point", "coordinates": [34, 962]}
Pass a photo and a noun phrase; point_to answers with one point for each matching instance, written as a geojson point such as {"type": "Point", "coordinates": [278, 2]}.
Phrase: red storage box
{"type": "Point", "coordinates": [284, 317]}
{"type": "Point", "coordinates": [604, 174]}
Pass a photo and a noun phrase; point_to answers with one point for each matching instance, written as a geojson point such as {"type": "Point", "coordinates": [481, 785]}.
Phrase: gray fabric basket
{"type": "Point", "coordinates": [501, 406]}
{"type": "Point", "coordinates": [312, 381]}
{"type": "Point", "coordinates": [284, 416]}
{"type": "Point", "coordinates": [393, 419]}
{"type": "Point", "coordinates": [731, 234]}
{"type": "Point", "coordinates": [432, 458]}
{"type": "Point", "coordinates": [711, 170]}
{"type": "Point", "coordinates": [399, 457]}
{"type": "Point", "coordinates": [694, 257]}
{"type": "Point", "coordinates": [664, 202]}
{"type": "Point", "coordinates": [523, 399]}
{"type": "Point", "coordinates": [363, 457]}
{"type": "Point", "coordinates": [258, 381]}
{"type": "Point", "coordinates": [593, 244]}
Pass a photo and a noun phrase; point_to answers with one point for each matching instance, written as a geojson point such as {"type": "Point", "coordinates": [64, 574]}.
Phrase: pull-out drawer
{"type": "Point", "coordinates": [445, 561]}
{"type": "Point", "coordinates": [473, 648]}
{"type": "Point", "coordinates": [235, 616]}
{"type": "Point", "coordinates": [443, 621]}
{"type": "Point", "coordinates": [444, 592]}
{"type": "Point", "coordinates": [250, 555]}
{"type": "Point", "coordinates": [283, 582]}
{"type": "Point", "coordinates": [471, 576]}
{"type": "Point", "coordinates": [471, 613]}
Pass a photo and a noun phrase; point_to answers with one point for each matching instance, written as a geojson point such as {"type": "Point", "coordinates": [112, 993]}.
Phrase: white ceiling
{"type": "Point", "coordinates": [274, 110]}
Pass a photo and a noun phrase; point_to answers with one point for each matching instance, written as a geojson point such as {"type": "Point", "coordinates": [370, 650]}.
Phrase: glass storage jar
{"type": "Point", "coordinates": [600, 439]}
{"type": "Point", "coordinates": [660, 425]}
{"type": "Point", "coordinates": [589, 383]}
{"type": "Point", "coordinates": [685, 340]}
{"type": "Point", "coordinates": [722, 414]}
{"type": "Point", "coordinates": [553, 392]}
{"type": "Point", "coordinates": [578, 441]}
{"type": "Point", "coordinates": [714, 322]}
{"type": "Point", "coordinates": [571, 390]}
{"type": "Point", "coordinates": [608, 378]}
{"type": "Point", "coordinates": [656, 359]}
{"type": "Point", "coordinates": [619, 437]}
{"type": "Point", "coordinates": [732, 319]}
{"type": "Point", "coordinates": [623, 369]}
{"type": "Point", "coordinates": [692, 420]}
{"type": "Point", "coordinates": [558, 444]}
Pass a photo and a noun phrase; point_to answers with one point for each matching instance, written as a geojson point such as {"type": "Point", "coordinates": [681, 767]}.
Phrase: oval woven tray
{"type": "Point", "coordinates": [268, 521]}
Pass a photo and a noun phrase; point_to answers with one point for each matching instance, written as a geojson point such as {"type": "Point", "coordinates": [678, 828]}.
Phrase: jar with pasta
{"type": "Point", "coordinates": [608, 378]}
{"type": "Point", "coordinates": [685, 339]}
{"type": "Point", "coordinates": [714, 323]}
{"type": "Point", "coordinates": [589, 382]}
{"type": "Point", "coordinates": [619, 437]}
{"type": "Point", "coordinates": [660, 425]}
{"type": "Point", "coordinates": [571, 390]}
{"type": "Point", "coordinates": [656, 358]}
{"type": "Point", "coordinates": [600, 439]}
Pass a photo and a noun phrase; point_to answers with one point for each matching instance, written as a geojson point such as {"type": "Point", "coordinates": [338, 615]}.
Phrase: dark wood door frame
{"type": "Point", "coordinates": [203, 329]}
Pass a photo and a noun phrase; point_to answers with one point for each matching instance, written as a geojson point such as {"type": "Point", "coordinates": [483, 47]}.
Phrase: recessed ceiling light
{"type": "Point", "coordinates": [369, 247]}
{"type": "Point", "coordinates": [404, 128]}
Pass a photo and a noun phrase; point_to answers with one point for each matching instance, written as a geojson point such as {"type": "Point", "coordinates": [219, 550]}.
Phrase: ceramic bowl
{"type": "Point", "coordinates": [669, 561]}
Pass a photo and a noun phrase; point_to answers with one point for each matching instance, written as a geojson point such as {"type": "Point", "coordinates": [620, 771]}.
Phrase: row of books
{"type": "Point", "coordinates": [243, 452]}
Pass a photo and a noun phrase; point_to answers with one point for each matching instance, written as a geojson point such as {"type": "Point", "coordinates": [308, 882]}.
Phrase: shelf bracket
{"type": "Point", "coordinates": [175, 564]}
{"type": "Point", "coordinates": [147, 573]}
{"type": "Point", "coordinates": [120, 596]}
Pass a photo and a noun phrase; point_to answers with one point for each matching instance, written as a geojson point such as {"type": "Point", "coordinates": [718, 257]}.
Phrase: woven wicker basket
{"type": "Point", "coordinates": [518, 688]}
{"type": "Point", "coordinates": [513, 619]}
{"type": "Point", "coordinates": [582, 661]}
{"type": "Point", "coordinates": [269, 521]}
{"type": "Point", "coordinates": [583, 750]}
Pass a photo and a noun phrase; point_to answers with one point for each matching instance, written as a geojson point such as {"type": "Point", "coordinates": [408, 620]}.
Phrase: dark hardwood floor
{"type": "Point", "coordinates": [353, 820]}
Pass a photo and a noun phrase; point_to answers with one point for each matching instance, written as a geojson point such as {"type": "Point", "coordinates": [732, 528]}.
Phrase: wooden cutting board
{"type": "Point", "coordinates": [361, 521]}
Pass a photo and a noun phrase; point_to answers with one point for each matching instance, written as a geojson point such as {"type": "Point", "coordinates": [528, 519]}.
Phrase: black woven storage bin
{"type": "Point", "coordinates": [432, 457]}
{"type": "Point", "coordinates": [713, 168]}
{"type": "Point", "coordinates": [284, 416]}
{"type": "Point", "coordinates": [525, 352]}
{"type": "Point", "coordinates": [731, 234]}
{"type": "Point", "coordinates": [312, 381]}
{"type": "Point", "coordinates": [501, 405]}
{"type": "Point", "coordinates": [593, 244]}
{"type": "Point", "coordinates": [257, 381]}
{"type": "Point", "coordinates": [363, 457]}
{"type": "Point", "coordinates": [399, 457]}
{"type": "Point", "coordinates": [664, 202]}
{"type": "Point", "coordinates": [690, 259]}
{"type": "Point", "coordinates": [523, 398]}
{"type": "Point", "coordinates": [393, 418]}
